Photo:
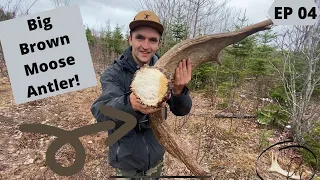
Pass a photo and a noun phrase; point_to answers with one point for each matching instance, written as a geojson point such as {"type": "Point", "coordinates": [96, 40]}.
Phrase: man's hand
{"type": "Point", "coordinates": [137, 106]}
{"type": "Point", "coordinates": [182, 76]}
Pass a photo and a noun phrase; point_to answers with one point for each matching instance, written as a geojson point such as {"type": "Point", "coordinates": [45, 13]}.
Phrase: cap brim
{"type": "Point", "coordinates": [155, 25]}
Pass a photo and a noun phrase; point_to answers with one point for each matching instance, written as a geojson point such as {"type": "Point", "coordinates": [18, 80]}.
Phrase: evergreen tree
{"type": "Point", "coordinates": [179, 27]}
{"type": "Point", "coordinates": [89, 36]}
{"type": "Point", "coordinates": [117, 41]}
{"type": "Point", "coordinates": [177, 30]}
{"type": "Point", "coordinates": [259, 67]}
{"type": "Point", "coordinates": [107, 41]}
{"type": "Point", "coordinates": [239, 53]}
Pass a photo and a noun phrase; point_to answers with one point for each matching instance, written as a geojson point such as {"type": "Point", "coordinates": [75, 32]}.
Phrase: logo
{"type": "Point", "coordinates": [294, 12]}
{"type": "Point", "coordinates": [146, 16]}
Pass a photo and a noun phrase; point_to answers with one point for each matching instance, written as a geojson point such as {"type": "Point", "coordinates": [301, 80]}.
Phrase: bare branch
{"type": "Point", "coordinates": [60, 3]}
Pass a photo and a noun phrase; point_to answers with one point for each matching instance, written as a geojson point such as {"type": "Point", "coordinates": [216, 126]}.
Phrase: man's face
{"type": "Point", "coordinates": [145, 41]}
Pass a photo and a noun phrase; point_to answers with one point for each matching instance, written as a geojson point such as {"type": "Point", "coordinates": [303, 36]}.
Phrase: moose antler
{"type": "Point", "coordinates": [199, 50]}
{"type": "Point", "coordinates": [275, 167]}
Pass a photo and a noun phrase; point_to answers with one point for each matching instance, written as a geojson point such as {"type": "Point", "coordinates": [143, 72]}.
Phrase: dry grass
{"type": "Point", "coordinates": [226, 154]}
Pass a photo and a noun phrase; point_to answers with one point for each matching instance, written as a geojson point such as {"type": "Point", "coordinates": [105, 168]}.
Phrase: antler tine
{"type": "Point", "coordinates": [275, 167]}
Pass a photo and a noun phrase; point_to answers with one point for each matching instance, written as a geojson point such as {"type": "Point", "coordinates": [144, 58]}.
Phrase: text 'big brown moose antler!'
{"type": "Point", "coordinates": [152, 84]}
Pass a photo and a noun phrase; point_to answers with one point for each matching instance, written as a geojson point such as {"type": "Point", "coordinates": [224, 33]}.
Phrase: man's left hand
{"type": "Point", "coordinates": [182, 76]}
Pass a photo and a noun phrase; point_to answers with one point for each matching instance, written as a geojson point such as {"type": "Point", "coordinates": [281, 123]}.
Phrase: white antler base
{"type": "Point", "coordinates": [275, 167]}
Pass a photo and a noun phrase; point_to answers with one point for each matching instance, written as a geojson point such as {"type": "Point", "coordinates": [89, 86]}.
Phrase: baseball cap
{"type": "Point", "coordinates": [146, 18]}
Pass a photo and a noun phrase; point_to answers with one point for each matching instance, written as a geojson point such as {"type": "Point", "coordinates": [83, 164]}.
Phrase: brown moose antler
{"type": "Point", "coordinates": [199, 50]}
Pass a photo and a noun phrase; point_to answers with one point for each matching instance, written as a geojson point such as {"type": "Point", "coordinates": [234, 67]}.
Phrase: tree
{"type": "Point", "coordinates": [117, 40]}
{"type": "Point", "coordinates": [203, 13]}
{"type": "Point", "coordinates": [199, 16]}
{"type": "Point", "coordinates": [7, 13]}
{"type": "Point", "coordinates": [240, 52]}
{"type": "Point", "coordinates": [258, 66]}
{"type": "Point", "coordinates": [107, 40]}
{"type": "Point", "coordinates": [179, 27]}
{"type": "Point", "coordinates": [60, 3]}
{"type": "Point", "coordinates": [176, 31]}
{"type": "Point", "coordinates": [300, 73]}
{"type": "Point", "coordinates": [89, 36]}
{"type": "Point", "coordinates": [163, 8]}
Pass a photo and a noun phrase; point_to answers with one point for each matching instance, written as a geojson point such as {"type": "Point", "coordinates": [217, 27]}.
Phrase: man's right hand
{"type": "Point", "coordinates": [137, 106]}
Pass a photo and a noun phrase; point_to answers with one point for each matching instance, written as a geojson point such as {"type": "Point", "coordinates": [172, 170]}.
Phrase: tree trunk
{"type": "Point", "coordinates": [196, 20]}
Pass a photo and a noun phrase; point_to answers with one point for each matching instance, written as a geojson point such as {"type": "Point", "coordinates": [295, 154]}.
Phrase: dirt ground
{"type": "Point", "coordinates": [225, 154]}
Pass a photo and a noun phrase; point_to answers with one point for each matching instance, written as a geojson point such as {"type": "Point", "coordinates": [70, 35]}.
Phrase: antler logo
{"type": "Point", "coordinates": [146, 16]}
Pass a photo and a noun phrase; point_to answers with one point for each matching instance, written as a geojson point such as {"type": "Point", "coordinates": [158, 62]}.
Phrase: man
{"type": "Point", "coordinates": [139, 153]}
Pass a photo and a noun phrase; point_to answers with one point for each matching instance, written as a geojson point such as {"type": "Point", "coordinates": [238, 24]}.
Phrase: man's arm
{"type": "Point", "coordinates": [113, 94]}
{"type": "Point", "coordinates": [180, 104]}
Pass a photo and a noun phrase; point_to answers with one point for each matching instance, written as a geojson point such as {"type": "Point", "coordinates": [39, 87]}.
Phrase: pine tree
{"type": "Point", "coordinates": [107, 41]}
{"type": "Point", "coordinates": [259, 67]}
{"type": "Point", "coordinates": [236, 65]}
{"type": "Point", "coordinates": [89, 36]}
{"type": "Point", "coordinates": [117, 41]}
{"type": "Point", "coordinates": [179, 27]}
{"type": "Point", "coordinates": [177, 30]}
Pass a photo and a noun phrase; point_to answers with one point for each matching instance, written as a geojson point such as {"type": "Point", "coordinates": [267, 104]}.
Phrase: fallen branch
{"type": "Point", "coordinates": [236, 116]}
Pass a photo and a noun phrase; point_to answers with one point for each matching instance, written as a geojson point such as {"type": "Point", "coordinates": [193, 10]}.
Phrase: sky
{"type": "Point", "coordinates": [95, 13]}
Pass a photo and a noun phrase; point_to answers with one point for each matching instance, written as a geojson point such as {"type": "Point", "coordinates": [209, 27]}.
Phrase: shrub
{"type": "Point", "coordinates": [273, 115]}
{"type": "Point", "coordinates": [222, 105]}
{"type": "Point", "coordinates": [263, 138]}
{"type": "Point", "coordinates": [312, 142]}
